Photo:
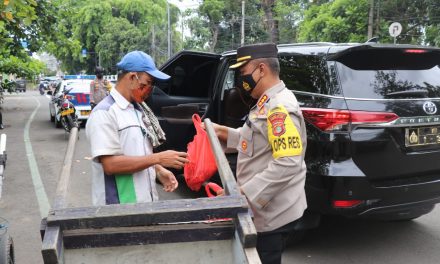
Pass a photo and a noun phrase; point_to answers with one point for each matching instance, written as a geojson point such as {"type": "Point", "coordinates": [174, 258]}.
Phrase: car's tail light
{"type": "Point", "coordinates": [339, 120]}
{"type": "Point", "coordinates": [418, 51]}
{"type": "Point", "coordinates": [346, 203]}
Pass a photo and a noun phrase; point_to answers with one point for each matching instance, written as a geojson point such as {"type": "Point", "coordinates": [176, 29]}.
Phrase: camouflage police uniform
{"type": "Point", "coordinates": [270, 167]}
{"type": "Point", "coordinates": [99, 89]}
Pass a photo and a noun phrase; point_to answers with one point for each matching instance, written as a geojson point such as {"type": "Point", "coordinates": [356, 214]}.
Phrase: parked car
{"type": "Point", "coordinates": [371, 111]}
{"type": "Point", "coordinates": [79, 96]}
{"type": "Point", "coordinates": [20, 85]}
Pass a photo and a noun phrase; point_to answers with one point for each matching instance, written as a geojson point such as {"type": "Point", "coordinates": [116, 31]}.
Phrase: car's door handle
{"type": "Point", "coordinates": [202, 107]}
{"type": "Point", "coordinates": [179, 114]}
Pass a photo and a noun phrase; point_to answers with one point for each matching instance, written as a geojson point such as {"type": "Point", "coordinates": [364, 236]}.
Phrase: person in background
{"type": "Point", "coordinates": [99, 88]}
{"type": "Point", "coordinates": [41, 88]}
{"type": "Point", "coordinates": [123, 131]}
{"type": "Point", "coordinates": [271, 146]}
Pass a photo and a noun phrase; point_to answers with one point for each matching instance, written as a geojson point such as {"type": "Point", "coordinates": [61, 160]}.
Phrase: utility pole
{"type": "Point", "coordinates": [169, 29]}
{"type": "Point", "coordinates": [242, 23]}
{"type": "Point", "coordinates": [370, 20]}
{"type": "Point", "coordinates": [378, 19]}
{"type": "Point", "coordinates": [153, 45]}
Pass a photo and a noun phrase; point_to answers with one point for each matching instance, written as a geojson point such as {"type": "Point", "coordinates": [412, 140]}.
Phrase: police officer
{"type": "Point", "coordinates": [99, 88]}
{"type": "Point", "coordinates": [271, 146]}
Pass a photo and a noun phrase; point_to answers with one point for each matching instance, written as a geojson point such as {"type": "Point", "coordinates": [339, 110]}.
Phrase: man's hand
{"type": "Point", "coordinates": [167, 179]}
{"type": "Point", "coordinates": [172, 159]}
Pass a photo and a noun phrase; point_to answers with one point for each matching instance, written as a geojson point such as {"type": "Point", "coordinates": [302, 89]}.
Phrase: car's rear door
{"type": "Point", "coordinates": [187, 92]}
{"type": "Point", "coordinates": [393, 95]}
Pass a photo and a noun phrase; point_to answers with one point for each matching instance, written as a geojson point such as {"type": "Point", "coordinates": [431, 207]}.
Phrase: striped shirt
{"type": "Point", "coordinates": [115, 127]}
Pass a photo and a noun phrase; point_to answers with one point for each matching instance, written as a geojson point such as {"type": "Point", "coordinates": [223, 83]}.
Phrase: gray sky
{"type": "Point", "coordinates": [184, 4]}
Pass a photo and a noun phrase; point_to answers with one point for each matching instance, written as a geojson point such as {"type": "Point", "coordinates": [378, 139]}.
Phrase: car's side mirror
{"type": "Point", "coordinates": [49, 93]}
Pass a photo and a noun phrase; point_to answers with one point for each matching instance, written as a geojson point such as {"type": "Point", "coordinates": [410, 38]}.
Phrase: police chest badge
{"type": "Point", "coordinates": [277, 120]}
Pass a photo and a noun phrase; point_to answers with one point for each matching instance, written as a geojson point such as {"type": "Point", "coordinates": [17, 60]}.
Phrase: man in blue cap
{"type": "Point", "coordinates": [123, 131]}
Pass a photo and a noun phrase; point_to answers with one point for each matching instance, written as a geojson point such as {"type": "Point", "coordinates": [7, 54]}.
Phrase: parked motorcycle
{"type": "Point", "coordinates": [7, 254]}
{"type": "Point", "coordinates": [66, 113]}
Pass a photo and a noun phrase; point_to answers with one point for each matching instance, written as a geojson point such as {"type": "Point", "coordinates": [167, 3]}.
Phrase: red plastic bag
{"type": "Point", "coordinates": [201, 165]}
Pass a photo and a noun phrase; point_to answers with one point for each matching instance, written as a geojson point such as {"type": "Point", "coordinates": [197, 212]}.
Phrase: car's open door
{"type": "Point", "coordinates": [187, 92]}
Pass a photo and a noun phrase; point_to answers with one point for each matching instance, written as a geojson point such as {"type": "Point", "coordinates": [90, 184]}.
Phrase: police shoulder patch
{"type": "Point", "coordinates": [282, 133]}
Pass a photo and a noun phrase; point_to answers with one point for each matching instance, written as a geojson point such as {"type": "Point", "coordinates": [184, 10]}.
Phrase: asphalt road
{"type": "Point", "coordinates": [36, 151]}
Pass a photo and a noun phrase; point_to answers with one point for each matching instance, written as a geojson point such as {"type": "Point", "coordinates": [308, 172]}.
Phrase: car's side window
{"type": "Point", "coordinates": [334, 85]}
{"type": "Point", "coordinates": [228, 82]}
{"type": "Point", "coordinates": [190, 78]}
{"type": "Point", "coordinates": [305, 73]}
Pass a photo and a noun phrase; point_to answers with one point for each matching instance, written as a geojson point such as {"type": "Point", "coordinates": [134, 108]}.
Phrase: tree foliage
{"type": "Point", "coordinates": [26, 21]}
{"type": "Point", "coordinates": [420, 20]}
{"type": "Point", "coordinates": [118, 38]}
{"type": "Point", "coordinates": [107, 29]}
{"type": "Point", "coordinates": [94, 25]}
{"type": "Point", "coordinates": [336, 21]}
{"type": "Point", "coordinates": [27, 68]}
{"type": "Point", "coordinates": [216, 25]}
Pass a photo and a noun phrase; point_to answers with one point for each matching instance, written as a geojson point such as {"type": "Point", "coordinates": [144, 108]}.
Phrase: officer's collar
{"type": "Point", "coordinates": [265, 97]}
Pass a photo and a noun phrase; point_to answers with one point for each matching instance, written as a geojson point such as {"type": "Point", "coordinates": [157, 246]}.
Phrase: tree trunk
{"type": "Point", "coordinates": [370, 20]}
{"type": "Point", "coordinates": [270, 23]}
{"type": "Point", "coordinates": [214, 30]}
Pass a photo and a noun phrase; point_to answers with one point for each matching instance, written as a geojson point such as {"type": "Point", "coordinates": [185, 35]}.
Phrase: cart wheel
{"type": "Point", "coordinates": [11, 256]}
{"type": "Point", "coordinates": [7, 250]}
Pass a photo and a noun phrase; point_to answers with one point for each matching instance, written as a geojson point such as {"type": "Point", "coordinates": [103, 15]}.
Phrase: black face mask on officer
{"type": "Point", "coordinates": [247, 83]}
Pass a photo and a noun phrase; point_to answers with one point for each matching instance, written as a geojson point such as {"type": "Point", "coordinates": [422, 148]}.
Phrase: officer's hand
{"type": "Point", "coordinates": [220, 131]}
{"type": "Point", "coordinates": [167, 179]}
{"type": "Point", "coordinates": [172, 159]}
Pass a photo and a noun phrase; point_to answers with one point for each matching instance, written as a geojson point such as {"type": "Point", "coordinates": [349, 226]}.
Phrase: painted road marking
{"type": "Point", "coordinates": [43, 202]}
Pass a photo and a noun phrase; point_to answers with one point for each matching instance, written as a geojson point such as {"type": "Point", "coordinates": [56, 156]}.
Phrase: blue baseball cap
{"type": "Point", "coordinates": [139, 61]}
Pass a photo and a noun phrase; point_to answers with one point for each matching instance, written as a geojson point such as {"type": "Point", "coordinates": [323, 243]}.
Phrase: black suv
{"type": "Point", "coordinates": [372, 120]}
